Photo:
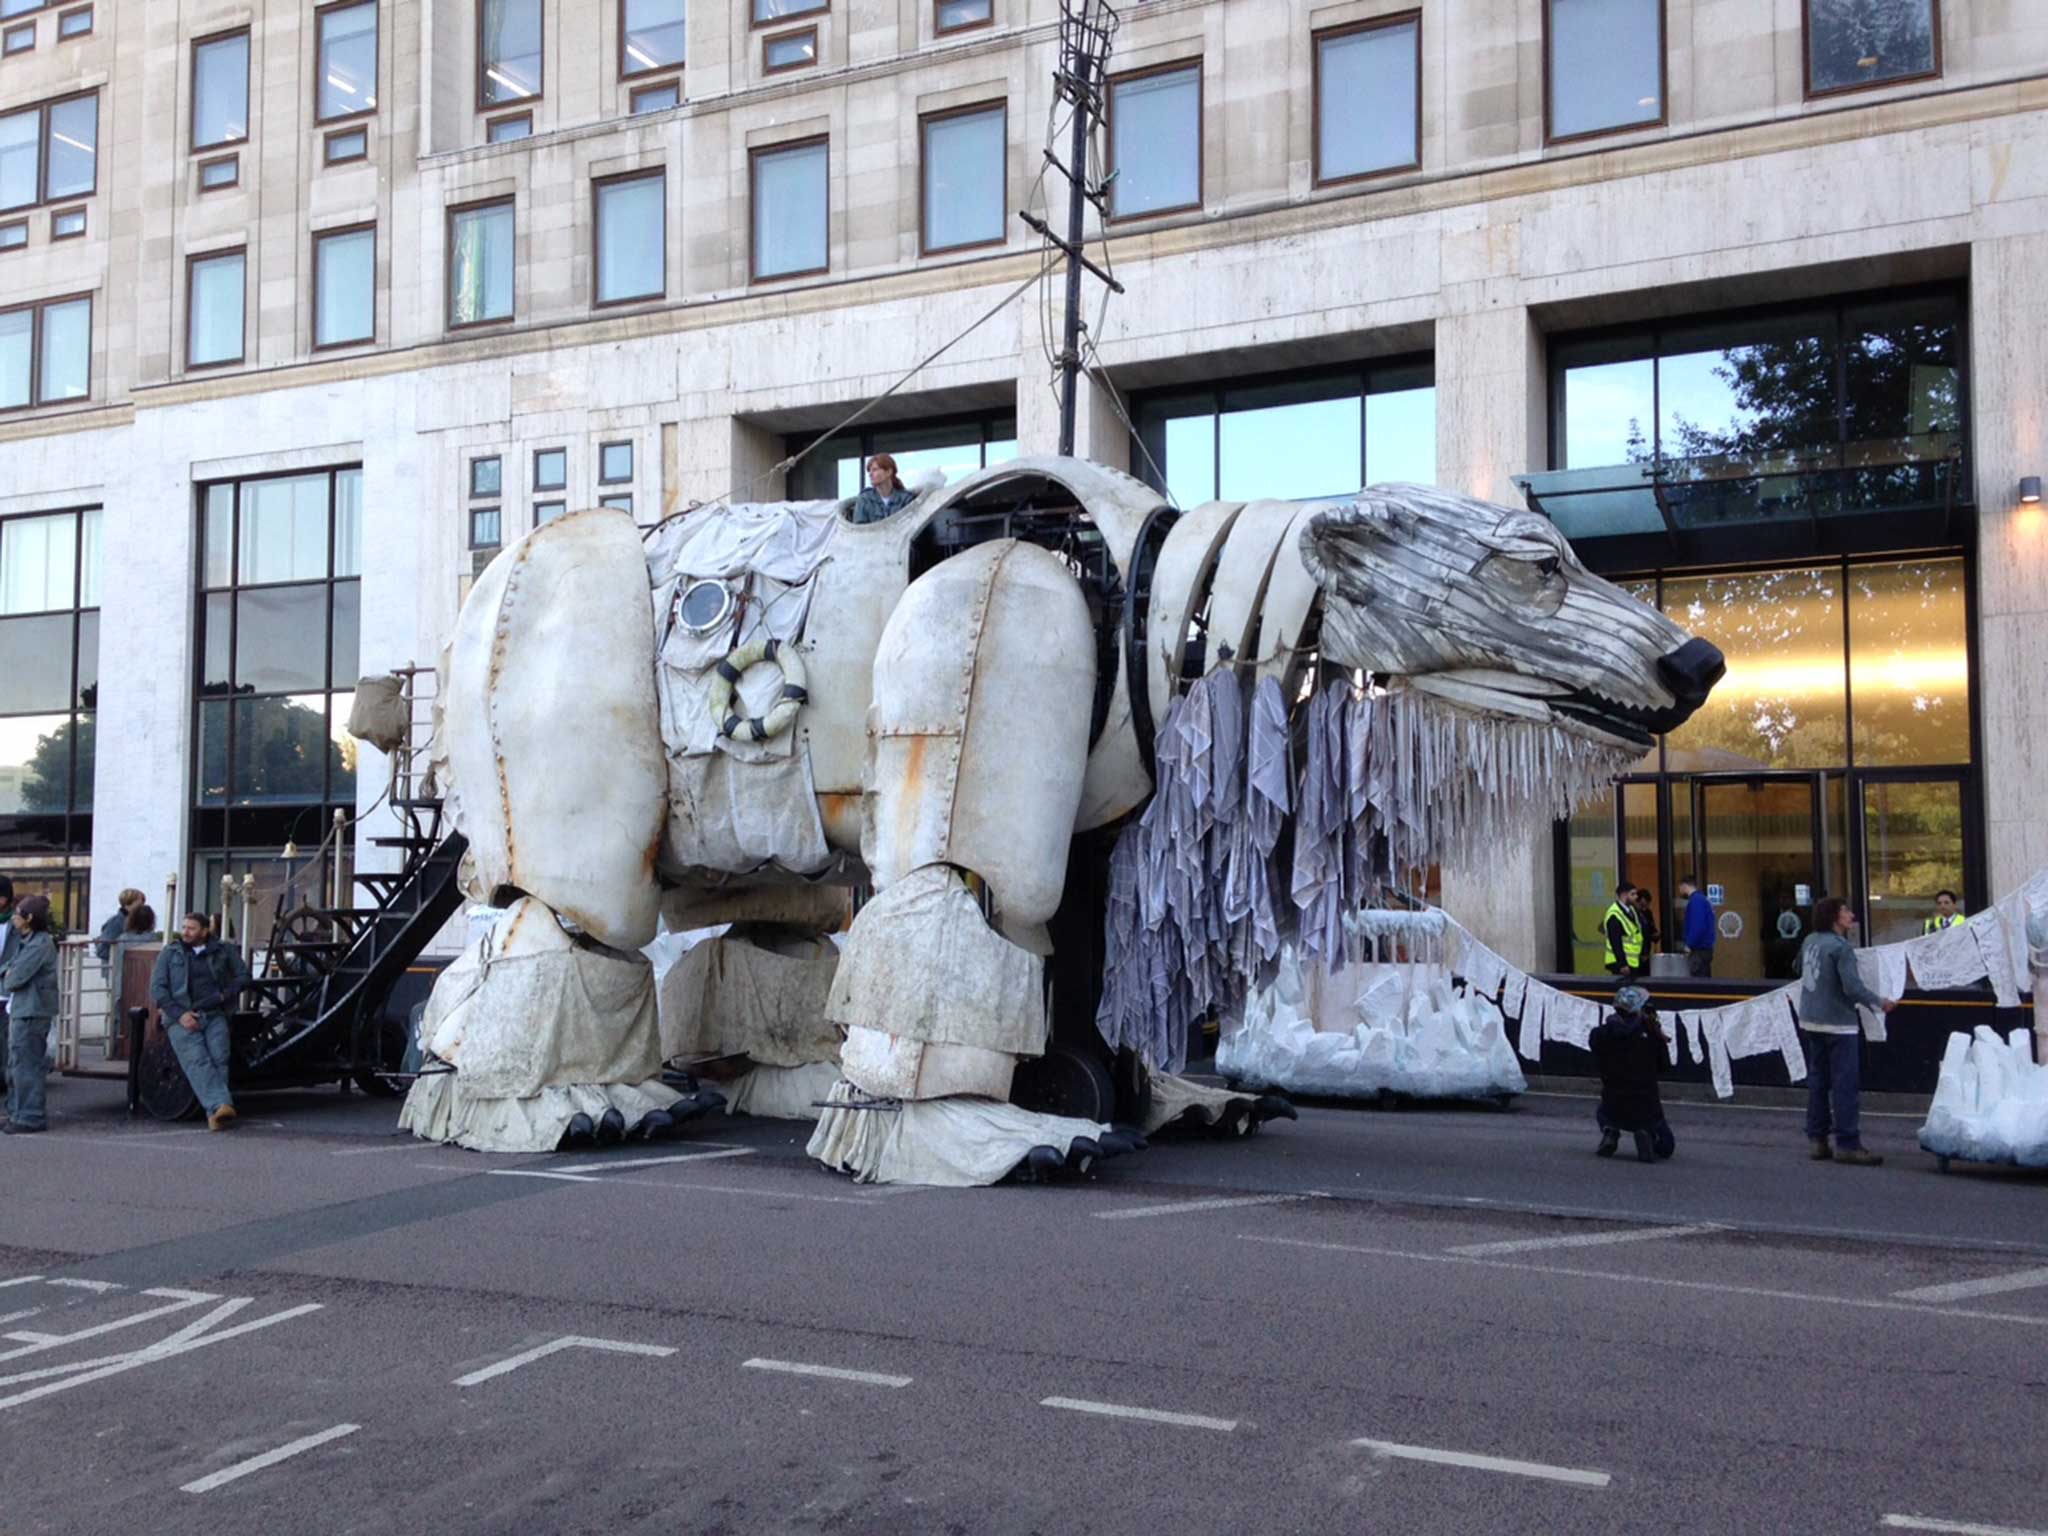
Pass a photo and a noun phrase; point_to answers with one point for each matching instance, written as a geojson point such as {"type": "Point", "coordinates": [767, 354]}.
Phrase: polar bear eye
{"type": "Point", "coordinates": [1537, 584]}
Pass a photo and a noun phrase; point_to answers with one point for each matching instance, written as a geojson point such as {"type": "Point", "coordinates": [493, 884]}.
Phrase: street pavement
{"type": "Point", "coordinates": [1385, 1321]}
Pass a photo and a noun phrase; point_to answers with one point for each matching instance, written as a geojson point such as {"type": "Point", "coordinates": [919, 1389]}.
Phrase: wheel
{"type": "Point", "coordinates": [161, 1087]}
{"type": "Point", "coordinates": [1133, 1089]}
{"type": "Point", "coordinates": [390, 1045]}
{"type": "Point", "coordinates": [1066, 1080]}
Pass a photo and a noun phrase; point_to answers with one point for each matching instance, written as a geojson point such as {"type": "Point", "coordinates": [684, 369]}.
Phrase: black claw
{"type": "Point", "coordinates": [1082, 1151]}
{"type": "Point", "coordinates": [1120, 1141]}
{"type": "Point", "coordinates": [611, 1127]}
{"type": "Point", "coordinates": [1041, 1163]}
{"type": "Point", "coordinates": [656, 1123]}
{"type": "Point", "coordinates": [1274, 1106]}
{"type": "Point", "coordinates": [581, 1131]}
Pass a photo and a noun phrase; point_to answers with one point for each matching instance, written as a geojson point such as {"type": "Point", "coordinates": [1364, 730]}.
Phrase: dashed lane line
{"type": "Point", "coordinates": [1148, 1415]}
{"type": "Point", "coordinates": [1580, 1240]}
{"type": "Point", "coordinates": [1952, 1527]}
{"type": "Point", "coordinates": [555, 1346]}
{"type": "Point", "coordinates": [1990, 1285]}
{"type": "Point", "coordinates": [678, 1157]}
{"type": "Point", "coordinates": [1578, 1477]}
{"type": "Point", "coordinates": [828, 1372]}
{"type": "Point", "coordinates": [240, 1469]}
{"type": "Point", "coordinates": [1190, 1207]}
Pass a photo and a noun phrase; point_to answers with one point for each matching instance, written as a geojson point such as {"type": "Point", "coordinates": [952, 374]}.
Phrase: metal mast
{"type": "Point", "coordinates": [1087, 31]}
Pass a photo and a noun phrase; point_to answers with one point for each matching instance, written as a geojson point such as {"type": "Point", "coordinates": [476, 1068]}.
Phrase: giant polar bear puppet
{"type": "Point", "coordinates": [746, 713]}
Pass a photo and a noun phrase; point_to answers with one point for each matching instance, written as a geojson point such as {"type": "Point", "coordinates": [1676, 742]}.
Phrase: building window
{"type": "Point", "coordinates": [1321, 433]}
{"type": "Point", "coordinates": [346, 71]}
{"type": "Point", "coordinates": [49, 151]}
{"type": "Point", "coordinates": [74, 23]}
{"type": "Point", "coordinates": [546, 512]}
{"type": "Point", "coordinates": [14, 235]}
{"type": "Point", "coordinates": [1603, 66]}
{"type": "Point", "coordinates": [503, 130]}
{"type": "Point", "coordinates": [220, 173]}
{"type": "Point", "coordinates": [277, 650]}
{"type": "Point", "coordinates": [45, 353]}
{"type": "Point", "coordinates": [630, 237]}
{"type": "Point", "coordinates": [551, 469]}
{"type": "Point", "coordinates": [508, 51]}
{"type": "Point", "coordinates": [214, 309]}
{"type": "Point", "coordinates": [620, 501]}
{"type": "Point", "coordinates": [49, 613]}
{"type": "Point", "coordinates": [834, 469]}
{"type": "Point", "coordinates": [1368, 98]}
{"type": "Point", "coordinates": [615, 464]}
{"type": "Point", "coordinates": [486, 527]}
{"type": "Point", "coordinates": [480, 264]}
{"type": "Point", "coordinates": [486, 485]}
{"type": "Point", "coordinates": [964, 154]}
{"type": "Point", "coordinates": [345, 286]}
{"type": "Point", "coordinates": [346, 144]}
{"type": "Point", "coordinates": [651, 36]}
{"type": "Point", "coordinates": [1155, 141]}
{"type": "Point", "coordinates": [1851, 44]}
{"type": "Point", "coordinates": [486, 478]}
{"type": "Point", "coordinates": [657, 98]}
{"type": "Point", "coordinates": [784, 51]}
{"type": "Point", "coordinates": [790, 209]}
{"type": "Point", "coordinates": [220, 90]}
{"type": "Point", "coordinates": [768, 12]}
{"type": "Point", "coordinates": [961, 15]}
{"type": "Point", "coordinates": [67, 223]}
{"type": "Point", "coordinates": [18, 39]}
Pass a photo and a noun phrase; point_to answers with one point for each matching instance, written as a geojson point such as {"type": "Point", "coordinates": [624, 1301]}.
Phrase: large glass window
{"type": "Point", "coordinates": [45, 353]}
{"type": "Point", "coordinates": [651, 35]}
{"type": "Point", "coordinates": [214, 310]}
{"type": "Point", "coordinates": [1855, 43]}
{"type": "Point", "coordinates": [1603, 65]}
{"type": "Point", "coordinates": [344, 287]}
{"type": "Point", "coordinates": [767, 12]}
{"type": "Point", "coordinates": [1325, 433]}
{"type": "Point", "coordinates": [508, 51]}
{"type": "Point", "coordinates": [1368, 98]}
{"type": "Point", "coordinates": [346, 81]}
{"type": "Point", "coordinates": [790, 209]}
{"type": "Point", "coordinates": [1155, 141]}
{"type": "Point", "coordinates": [49, 624]}
{"type": "Point", "coordinates": [836, 468]}
{"type": "Point", "coordinates": [964, 203]}
{"type": "Point", "coordinates": [631, 238]}
{"type": "Point", "coordinates": [480, 263]}
{"type": "Point", "coordinates": [49, 151]}
{"type": "Point", "coordinates": [279, 620]}
{"type": "Point", "coordinates": [220, 90]}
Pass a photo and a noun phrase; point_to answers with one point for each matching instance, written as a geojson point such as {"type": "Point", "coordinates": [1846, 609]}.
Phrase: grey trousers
{"type": "Point", "coordinates": [203, 1053]}
{"type": "Point", "coordinates": [28, 1046]}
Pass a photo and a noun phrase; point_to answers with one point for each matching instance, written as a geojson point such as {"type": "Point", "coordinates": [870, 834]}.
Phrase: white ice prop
{"type": "Point", "coordinates": [1991, 1103]}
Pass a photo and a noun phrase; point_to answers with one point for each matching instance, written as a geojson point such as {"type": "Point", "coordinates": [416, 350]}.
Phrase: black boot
{"type": "Point", "coordinates": [1646, 1149]}
{"type": "Point", "coordinates": [1610, 1138]}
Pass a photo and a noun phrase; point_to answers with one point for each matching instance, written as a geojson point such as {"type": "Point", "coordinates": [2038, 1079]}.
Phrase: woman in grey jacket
{"type": "Point", "coordinates": [31, 986]}
{"type": "Point", "coordinates": [1830, 988]}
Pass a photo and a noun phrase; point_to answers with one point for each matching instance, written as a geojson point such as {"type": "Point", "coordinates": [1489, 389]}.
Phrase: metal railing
{"type": "Point", "coordinates": [90, 1037]}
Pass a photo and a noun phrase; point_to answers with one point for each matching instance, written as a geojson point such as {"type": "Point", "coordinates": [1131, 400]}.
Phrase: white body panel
{"type": "Point", "coordinates": [1177, 588]}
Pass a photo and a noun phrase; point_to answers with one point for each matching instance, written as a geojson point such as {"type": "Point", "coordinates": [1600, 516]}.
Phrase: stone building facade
{"type": "Point", "coordinates": [353, 322]}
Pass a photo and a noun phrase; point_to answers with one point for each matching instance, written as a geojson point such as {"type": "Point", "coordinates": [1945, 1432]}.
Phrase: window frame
{"type": "Point", "coordinates": [653, 69]}
{"type": "Point", "coordinates": [1322, 35]}
{"type": "Point", "coordinates": [65, 16]}
{"type": "Point", "coordinates": [7, 225]}
{"type": "Point", "coordinates": [625, 479]}
{"type": "Point", "coordinates": [196, 259]}
{"type": "Point", "coordinates": [58, 213]}
{"type": "Point", "coordinates": [14, 30]}
{"type": "Point", "coordinates": [633, 107]}
{"type": "Point", "coordinates": [471, 462]}
{"type": "Point", "coordinates": [559, 488]}
{"type": "Point", "coordinates": [320, 15]}
{"type": "Point", "coordinates": [1175, 66]}
{"type": "Point", "coordinates": [756, 24]}
{"type": "Point", "coordinates": [1808, 93]}
{"type": "Point", "coordinates": [230, 184]}
{"type": "Point", "coordinates": [965, 26]}
{"type": "Point", "coordinates": [525, 103]}
{"type": "Point", "coordinates": [42, 109]}
{"type": "Point", "coordinates": [1647, 125]}
{"type": "Point", "coordinates": [508, 200]}
{"type": "Point", "coordinates": [598, 186]}
{"type": "Point", "coordinates": [999, 105]}
{"type": "Point", "coordinates": [494, 509]}
{"type": "Point", "coordinates": [327, 141]}
{"type": "Point", "coordinates": [769, 40]}
{"type": "Point", "coordinates": [503, 118]}
{"type": "Point", "coordinates": [560, 504]}
{"type": "Point", "coordinates": [193, 146]}
{"type": "Point", "coordinates": [35, 401]}
{"type": "Point", "coordinates": [320, 238]}
{"type": "Point", "coordinates": [754, 154]}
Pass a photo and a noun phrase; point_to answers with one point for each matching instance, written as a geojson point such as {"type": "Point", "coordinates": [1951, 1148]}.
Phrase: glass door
{"type": "Point", "coordinates": [1759, 844]}
{"type": "Point", "coordinates": [1913, 849]}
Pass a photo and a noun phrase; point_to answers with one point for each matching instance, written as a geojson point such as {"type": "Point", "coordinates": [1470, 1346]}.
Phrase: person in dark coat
{"type": "Point", "coordinates": [30, 980]}
{"type": "Point", "coordinates": [1628, 1048]}
{"type": "Point", "coordinates": [196, 983]}
{"type": "Point", "coordinates": [885, 493]}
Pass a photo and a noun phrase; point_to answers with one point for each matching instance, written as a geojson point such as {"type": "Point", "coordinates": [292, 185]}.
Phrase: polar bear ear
{"type": "Point", "coordinates": [1340, 543]}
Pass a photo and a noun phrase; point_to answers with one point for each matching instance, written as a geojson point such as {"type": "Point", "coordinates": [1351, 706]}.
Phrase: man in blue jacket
{"type": "Point", "coordinates": [1699, 928]}
{"type": "Point", "coordinates": [195, 983]}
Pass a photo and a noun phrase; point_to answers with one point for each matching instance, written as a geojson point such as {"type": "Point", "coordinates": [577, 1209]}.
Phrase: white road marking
{"type": "Point", "coordinates": [187, 1339]}
{"type": "Point", "coordinates": [542, 1173]}
{"type": "Point", "coordinates": [98, 1287]}
{"type": "Point", "coordinates": [1188, 1207]}
{"type": "Point", "coordinates": [20, 1280]}
{"type": "Point", "coordinates": [1953, 1527]}
{"type": "Point", "coordinates": [1991, 1285]}
{"type": "Point", "coordinates": [409, 1144]}
{"type": "Point", "coordinates": [1576, 1476]}
{"type": "Point", "coordinates": [1582, 1240]}
{"type": "Point", "coordinates": [15, 1317]}
{"type": "Point", "coordinates": [601, 1178]}
{"type": "Point", "coordinates": [829, 1372]}
{"type": "Point", "coordinates": [40, 1342]}
{"type": "Point", "coordinates": [682, 1157]}
{"type": "Point", "coordinates": [1714, 1287]}
{"type": "Point", "coordinates": [1149, 1415]}
{"type": "Point", "coordinates": [554, 1346]}
{"type": "Point", "coordinates": [227, 1475]}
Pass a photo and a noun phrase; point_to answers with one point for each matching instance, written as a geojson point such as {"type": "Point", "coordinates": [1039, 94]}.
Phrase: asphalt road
{"type": "Point", "coordinates": [1373, 1321]}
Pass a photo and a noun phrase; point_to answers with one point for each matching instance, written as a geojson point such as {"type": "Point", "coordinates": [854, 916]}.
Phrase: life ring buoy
{"type": "Point", "coordinates": [721, 694]}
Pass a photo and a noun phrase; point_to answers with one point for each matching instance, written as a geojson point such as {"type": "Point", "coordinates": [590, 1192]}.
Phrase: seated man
{"type": "Point", "coordinates": [885, 493]}
{"type": "Point", "coordinates": [195, 984]}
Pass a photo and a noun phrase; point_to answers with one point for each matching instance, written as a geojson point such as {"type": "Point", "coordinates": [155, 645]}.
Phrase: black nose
{"type": "Point", "coordinates": [1692, 670]}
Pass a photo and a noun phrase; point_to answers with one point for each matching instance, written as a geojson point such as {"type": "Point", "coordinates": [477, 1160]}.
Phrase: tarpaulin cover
{"type": "Point", "coordinates": [952, 1142]}
{"type": "Point", "coordinates": [781, 1093]}
{"type": "Point", "coordinates": [730, 996]}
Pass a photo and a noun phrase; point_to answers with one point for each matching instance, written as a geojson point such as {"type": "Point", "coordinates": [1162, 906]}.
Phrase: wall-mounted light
{"type": "Point", "coordinates": [2030, 489]}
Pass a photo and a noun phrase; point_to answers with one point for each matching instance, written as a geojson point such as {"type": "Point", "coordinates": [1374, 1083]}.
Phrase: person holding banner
{"type": "Point", "coordinates": [1830, 989]}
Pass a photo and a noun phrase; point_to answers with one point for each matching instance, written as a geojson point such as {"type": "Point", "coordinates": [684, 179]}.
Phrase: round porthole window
{"type": "Point", "coordinates": [703, 606]}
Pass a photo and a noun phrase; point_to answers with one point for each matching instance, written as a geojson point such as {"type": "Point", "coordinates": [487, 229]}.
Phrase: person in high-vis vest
{"type": "Point", "coordinates": [1947, 913]}
{"type": "Point", "coordinates": [1624, 929]}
